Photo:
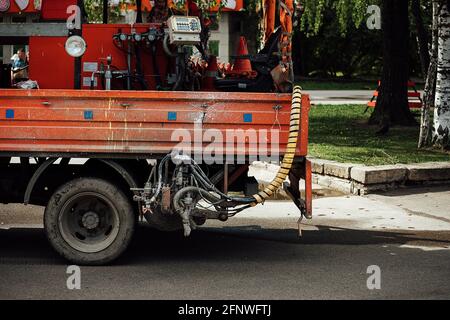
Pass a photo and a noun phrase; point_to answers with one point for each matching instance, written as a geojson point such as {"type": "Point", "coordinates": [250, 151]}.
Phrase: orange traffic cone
{"type": "Point", "coordinates": [210, 74]}
{"type": "Point", "coordinates": [242, 66]}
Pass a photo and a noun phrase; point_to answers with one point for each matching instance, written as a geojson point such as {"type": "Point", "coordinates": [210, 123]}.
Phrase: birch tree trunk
{"type": "Point", "coordinates": [441, 138]}
{"type": "Point", "coordinates": [430, 84]}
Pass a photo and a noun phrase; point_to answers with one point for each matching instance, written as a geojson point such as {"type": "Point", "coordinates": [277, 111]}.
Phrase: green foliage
{"type": "Point", "coordinates": [330, 53]}
{"type": "Point", "coordinates": [203, 5]}
{"type": "Point", "coordinates": [348, 13]}
{"type": "Point", "coordinates": [252, 30]}
{"type": "Point", "coordinates": [333, 41]}
{"type": "Point", "coordinates": [94, 10]}
{"type": "Point", "coordinates": [313, 15]}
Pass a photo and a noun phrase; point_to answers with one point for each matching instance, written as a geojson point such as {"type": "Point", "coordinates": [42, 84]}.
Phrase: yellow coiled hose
{"type": "Point", "coordinates": [291, 148]}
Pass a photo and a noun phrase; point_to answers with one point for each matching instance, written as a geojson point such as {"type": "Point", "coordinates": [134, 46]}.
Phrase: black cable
{"type": "Point", "coordinates": [152, 172]}
{"type": "Point", "coordinates": [160, 176]}
{"type": "Point", "coordinates": [243, 200]}
{"type": "Point", "coordinates": [139, 68]}
{"type": "Point", "coordinates": [156, 67]}
{"type": "Point", "coordinates": [121, 48]}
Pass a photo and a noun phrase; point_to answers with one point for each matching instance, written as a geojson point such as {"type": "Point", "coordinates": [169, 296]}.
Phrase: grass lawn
{"type": "Point", "coordinates": [341, 133]}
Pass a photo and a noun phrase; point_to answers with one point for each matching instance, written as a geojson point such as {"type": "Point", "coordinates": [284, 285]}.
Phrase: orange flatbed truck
{"type": "Point", "coordinates": [126, 147]}
{"type": "Point", "coordinates": [117, 132]}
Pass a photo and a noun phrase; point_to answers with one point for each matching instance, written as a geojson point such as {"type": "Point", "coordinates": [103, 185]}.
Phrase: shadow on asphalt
{"type": "Point", "coordinates": [30, 246]}
{"type": "Point", "coordinates": [412, 190]}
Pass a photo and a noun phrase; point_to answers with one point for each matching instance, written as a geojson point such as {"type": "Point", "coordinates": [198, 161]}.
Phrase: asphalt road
{"type": "Point", "coordinates": [258, 256]}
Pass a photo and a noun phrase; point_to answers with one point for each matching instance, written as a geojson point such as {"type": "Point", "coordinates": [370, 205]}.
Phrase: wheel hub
{"type": "Point", "coordinates": [90, 220]}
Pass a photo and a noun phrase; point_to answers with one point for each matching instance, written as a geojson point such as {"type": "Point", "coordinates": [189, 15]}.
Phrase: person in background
{"type": "Point", "coordinates": [19, 69]}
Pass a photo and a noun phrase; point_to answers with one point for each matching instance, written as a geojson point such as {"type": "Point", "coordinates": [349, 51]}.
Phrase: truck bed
{"type": "Point", "coordinates": [136, 123]}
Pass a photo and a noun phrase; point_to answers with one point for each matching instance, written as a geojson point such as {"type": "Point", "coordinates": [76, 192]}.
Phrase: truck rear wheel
{"type": "Point", "coordinates": [89, 221]}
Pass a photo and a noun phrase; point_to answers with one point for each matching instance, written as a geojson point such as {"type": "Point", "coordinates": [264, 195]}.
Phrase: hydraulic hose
{"type": "Point", "coordinates": [258, 198]}
{"type": "Point", "coordinates": [291, 148]}
{"type": "Point", "coordinates": [276, 184]}
{"type": "Point", "coordinates": [160, 182]}
{"type": "Point", "coordinates": [286, 164]}
{"type": "Point", "coordinates": [179, 195]}
{"type": "Point", "coordinates": [139, 68]}
{"type": "Point", "coordinates": [156, 68]}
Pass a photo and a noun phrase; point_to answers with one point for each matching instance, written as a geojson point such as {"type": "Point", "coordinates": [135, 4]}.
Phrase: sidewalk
{"type": "Point", "coordinates": [421, 209]}
{"type": "Point", "coordinates": [337, 97]}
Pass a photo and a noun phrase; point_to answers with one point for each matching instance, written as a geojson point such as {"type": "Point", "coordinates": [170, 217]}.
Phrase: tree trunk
{"type": "Point", "coordinates": [392, 104]}
{"type": "Point", "coordinates": [421, 36]}
{"type": "Point", "coordinates": [441, 137]}
{"type": "Point", "coordinates": [430, 84]}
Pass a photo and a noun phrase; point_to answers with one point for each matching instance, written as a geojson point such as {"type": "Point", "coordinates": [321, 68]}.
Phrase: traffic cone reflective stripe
{"type": "Point", "coordinates": [242, 65]}
{"type": "Point", "coordinates": [210, 74]}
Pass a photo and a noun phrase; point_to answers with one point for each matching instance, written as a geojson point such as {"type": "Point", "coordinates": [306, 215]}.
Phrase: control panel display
{"type": "Point", "coordinates": [184, 30]}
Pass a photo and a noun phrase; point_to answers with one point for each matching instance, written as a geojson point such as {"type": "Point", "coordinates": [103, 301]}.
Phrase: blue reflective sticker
{"type": "Point", "coordinates": [248, 117]}
{"type": "Point", "coordinates": [88, 115]}
{"type": "Point", "coordinates": [9, 114]}
{"type": "Point", "coordinates": [172, 116]}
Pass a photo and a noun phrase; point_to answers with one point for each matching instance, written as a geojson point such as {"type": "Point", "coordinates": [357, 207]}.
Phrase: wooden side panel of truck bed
{"type": "Point", "coordinates": [131, 123]}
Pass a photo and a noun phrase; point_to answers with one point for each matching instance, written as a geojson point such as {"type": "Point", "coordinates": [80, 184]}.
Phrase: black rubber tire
{"type": "Point", "coordinates": [126, 214]}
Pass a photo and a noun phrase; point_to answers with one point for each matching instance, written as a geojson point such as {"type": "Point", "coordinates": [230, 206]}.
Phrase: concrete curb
{"type": "Point", "coordinates": [266, 172]}
{"type": "Point", "coordinates": [360, 179]}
